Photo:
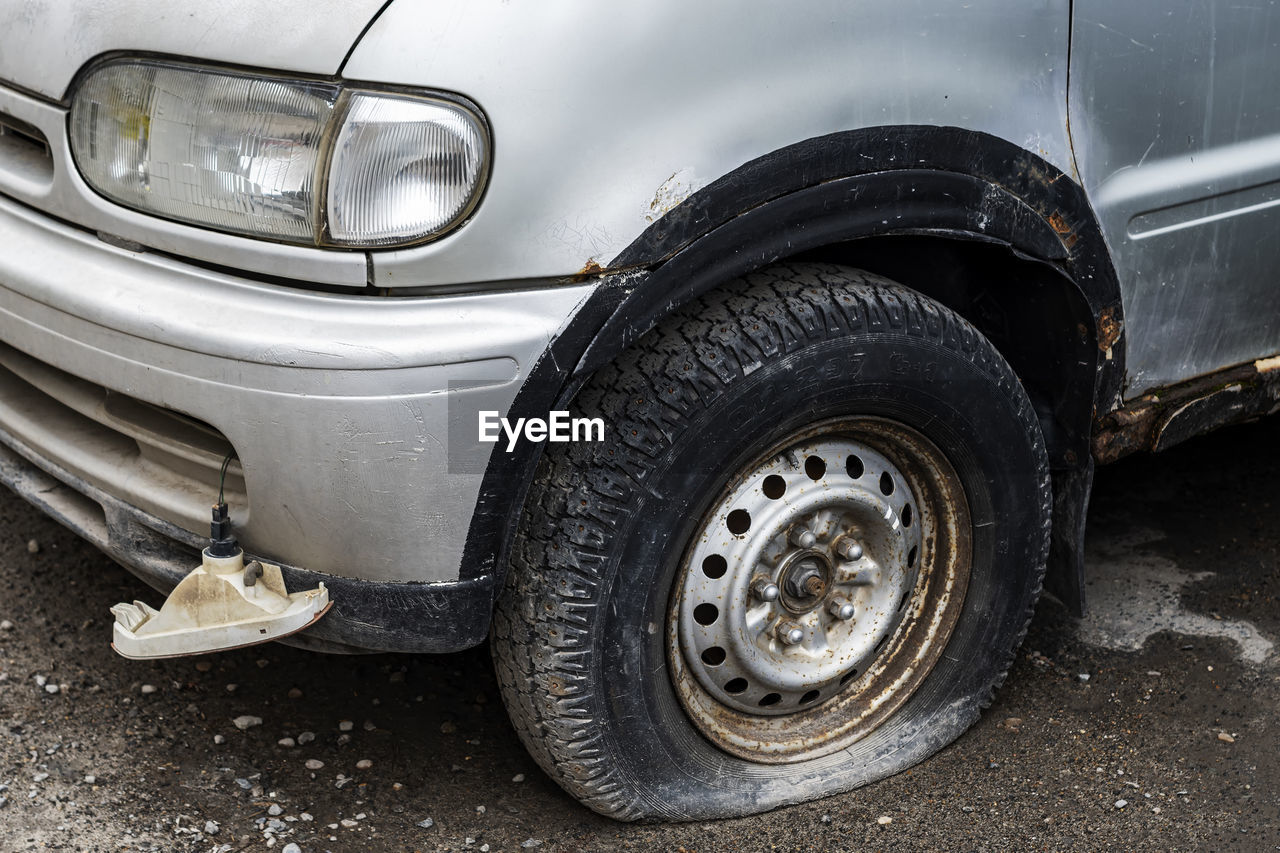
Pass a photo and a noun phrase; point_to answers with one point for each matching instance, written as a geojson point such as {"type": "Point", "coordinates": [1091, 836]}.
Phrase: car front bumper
{"type": "Point", "coordinates": [126, 377]}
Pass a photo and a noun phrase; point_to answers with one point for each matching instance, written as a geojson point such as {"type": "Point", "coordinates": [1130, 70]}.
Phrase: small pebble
{"type": "Point", "coordinates": [529, 844]}
{"type": "Point", "coordinates": [147, 689]}
{"type": "Point", "coordinates": [219, 740]}
{"type": "Point", "coordinates": [306, 817]}
{"type": "Point", "coordinates": [295, 693]}
{"type": "Point", "coordinates": [345, 725]}
{"type": "Point", "coordinates": [368, 724]}
{"type": "Point", "coordinates": [244, 784]}
{"type": "Point", "coordinates": [286, 742]}
{"type": "Point", "coordinates": [884, 820]}
{"type": "Point", "coordinates": [246, 721]}
{"type": "Point", "coordinates": [291, 848]}
{"type": "Point", "coordinates": [263, 663]}
{"type": "Point", "coordinates": [6, 625]}
{"type": "Point", "coordinates": [33, 547]}
{"type": "Point", "coordinates": [1121, 803]}
{"type": "Point", "coordinates": [447, 727]}
{"type": "Point", "coordinates": [90, 779]}
{"type": "Point", "coordinates": [231, 688]}
{"type": "Point", "coordinates": [426, 823]}
{"type": "Point", "coordinates": [210, 827]}
{"type": "Point", "coordinates": [826, 818]}
{"type": "Point", "coordinates": [306, 737]}
{"type": "Point", "coordinates": [364, 764]}
{"type": "Point", "coordinates": [51, 688]}
{"type": "Point", "coordinates": [396, 786]}
{"type": "Point", "coordinates": [1226, 738]}
{"type": "Point", "coordinates": [480, 809]}
{"type": "Point", "coordinates": [519, 777]}
{"type": "Point", "coordinates": [314, 764]}
{"type": "Point", "coordinates": [39, 777]}
{"type": "Point", "coordinates": [274, 810]}
{"type": "Point", "coordinates": [348, 822]}
{"type": "Point", "coordinates": [1082, 677]}
{"type": "Point", "coordinates": [203, 666]}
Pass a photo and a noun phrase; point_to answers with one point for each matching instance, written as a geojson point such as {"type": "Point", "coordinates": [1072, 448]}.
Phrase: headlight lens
{"type": "Point", "coordinates": [258, 155]}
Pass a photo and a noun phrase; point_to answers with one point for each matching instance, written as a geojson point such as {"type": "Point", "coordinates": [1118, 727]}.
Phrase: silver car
{"type": "Point", "coordinates": [738, 369]}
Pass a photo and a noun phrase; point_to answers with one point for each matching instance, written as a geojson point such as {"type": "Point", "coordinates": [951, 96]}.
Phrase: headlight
{"type": "Point", "coordinates": [290, 160]}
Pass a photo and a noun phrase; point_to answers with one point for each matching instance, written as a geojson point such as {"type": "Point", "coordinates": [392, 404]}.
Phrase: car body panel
{"type": "Point", "coordinates": [1177, 137]}
{"type": "Point", "coordinates": [626, 112]}
{"type": "Point", "coordinates": [338, 406]}
{"type": "Point", "coordinates": [48, 42]}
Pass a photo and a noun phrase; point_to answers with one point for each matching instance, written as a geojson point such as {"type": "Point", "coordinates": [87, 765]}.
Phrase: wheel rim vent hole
{"type": "Point", "coordinates": [911, 558]}
{"type": "Point", "coordinates": [774, 487]}
{"type": "Point", "coordinates": [848, 676]}
{"type": "Point", "coordinates": [809, 697]}
{"type": "Point", "coordinates": [815, 467]}
{"type": "Point", "coordinates": [713, 656]}
{"type": "Point", "coordinates": [706, 614]}
{"type": "Point", "coordinates": [854, 468]}
{"type": "Point", "coordinates": [736, 685]}
{"type": "Point", "coordinates": [739, 522]}
{"type": "Point", "coordinates": [769, 699]}
{"type": "Point", "coordinates": [886, 484]}
{"type": "Point", "coordinates": [714, 566]}
{"type": "Point", "coordinates": [906, 516]}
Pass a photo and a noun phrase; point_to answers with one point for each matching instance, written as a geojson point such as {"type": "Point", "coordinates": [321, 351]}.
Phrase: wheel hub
{"type": "Point", "coordinates": [799, 575]}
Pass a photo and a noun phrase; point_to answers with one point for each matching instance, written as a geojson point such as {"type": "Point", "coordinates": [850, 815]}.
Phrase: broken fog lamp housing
{"type": "Point", "coordinates": [279, 158]}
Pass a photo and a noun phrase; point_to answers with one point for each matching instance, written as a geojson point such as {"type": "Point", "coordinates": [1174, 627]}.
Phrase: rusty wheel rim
{"type": "Point", "coordinates": [819, 590]}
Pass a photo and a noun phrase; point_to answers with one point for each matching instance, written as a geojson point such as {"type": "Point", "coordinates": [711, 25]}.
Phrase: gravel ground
{"type": "Point", "coordinates": [1154, 724]}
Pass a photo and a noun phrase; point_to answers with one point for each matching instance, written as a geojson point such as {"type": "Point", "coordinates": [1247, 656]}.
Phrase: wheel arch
{"type": "Point", "coordinates": [899, 201]}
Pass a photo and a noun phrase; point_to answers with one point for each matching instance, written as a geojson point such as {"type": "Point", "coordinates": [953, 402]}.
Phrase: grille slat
{"type": "Point", "coordinates": [158, 460]}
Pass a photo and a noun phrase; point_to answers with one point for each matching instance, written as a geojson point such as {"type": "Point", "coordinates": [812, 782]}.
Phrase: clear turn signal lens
{"type": "Point", "coordinates": [403, 168]}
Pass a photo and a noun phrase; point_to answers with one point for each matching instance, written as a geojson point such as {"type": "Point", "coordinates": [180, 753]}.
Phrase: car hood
{"type": "Point", "coordinates": [43, 43]}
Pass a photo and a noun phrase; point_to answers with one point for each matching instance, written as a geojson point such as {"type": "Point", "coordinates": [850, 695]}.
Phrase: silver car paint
{"type": "Point", "coordinates": [1177, 135]}
{"type": "Point", "coordinates": [605, 115]}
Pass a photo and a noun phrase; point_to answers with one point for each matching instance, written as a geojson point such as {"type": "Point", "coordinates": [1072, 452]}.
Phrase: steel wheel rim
{"type": "Point", "coordinates": [796, 629]}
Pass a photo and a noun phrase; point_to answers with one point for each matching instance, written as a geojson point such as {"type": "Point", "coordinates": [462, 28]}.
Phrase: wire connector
{"type": "Point", "coordinates": [222, 543]}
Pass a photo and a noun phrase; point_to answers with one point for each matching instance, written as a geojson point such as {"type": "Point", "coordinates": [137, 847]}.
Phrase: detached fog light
{"type": "Point", "coordinates": [258, 155]}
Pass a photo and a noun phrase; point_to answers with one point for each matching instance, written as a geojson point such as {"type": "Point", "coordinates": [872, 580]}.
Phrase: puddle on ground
{"type": "Point", "coordinates": [1133, 594]}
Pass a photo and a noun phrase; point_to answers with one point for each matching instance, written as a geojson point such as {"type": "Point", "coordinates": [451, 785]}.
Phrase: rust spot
{"type": "Point", "coordinates": [1059, 224]}
{"type": "Point", "coordinates": [1108, 329]}
{"type": "Point", "coordinates": [1163, 418]}
{"type": "Point", "coordinates": [591, 268]}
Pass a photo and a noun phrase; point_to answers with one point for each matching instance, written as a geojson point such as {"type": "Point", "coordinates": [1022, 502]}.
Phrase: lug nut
{"type": "Point", "coordinates": [849, 549]}
{"type": "Point", "coordinates": [788, 633]}
{"type": "Point", "coordinates": [841, 609]}
{"type": "Point", "coordinates": [764, 589]}
{"type": "Point", "coordinates": [803, 538]}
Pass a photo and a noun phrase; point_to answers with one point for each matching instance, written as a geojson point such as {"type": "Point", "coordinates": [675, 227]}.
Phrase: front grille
{"type": "Point", "coordinates": [158, 460]}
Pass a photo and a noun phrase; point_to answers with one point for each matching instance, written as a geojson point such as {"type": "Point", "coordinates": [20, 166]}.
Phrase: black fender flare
{"type": "Point", "coordinates": [872, 181]}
